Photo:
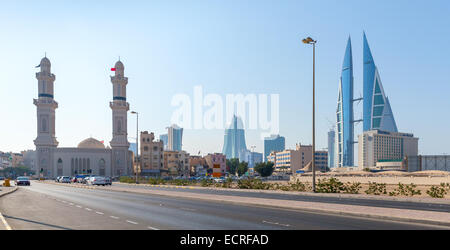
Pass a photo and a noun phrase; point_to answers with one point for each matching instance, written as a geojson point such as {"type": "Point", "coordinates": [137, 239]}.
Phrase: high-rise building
{"type": "Point", "coordinates": [253, 158]}
{"type": "Point", "coordinates": [175, 138]}
{"type": "Point", "coordinates": [377, 109]}
{"type": "Point", "coordinates": [234, 143]}
{"type": "Point", "coordinates": [331, 147]}
{"type": "Point", "coordinates": [274, 143]}
{"type": "Point", "coordinates": [165, 139]}
{"type": "Point", "coordinates": [344, 113]}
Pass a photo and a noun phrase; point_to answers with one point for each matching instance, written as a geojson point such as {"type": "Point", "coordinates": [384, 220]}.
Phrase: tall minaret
{"type": "Point", "coordinates": [121, 158]}
{"type": "Point", "coordinates": [46, 106]}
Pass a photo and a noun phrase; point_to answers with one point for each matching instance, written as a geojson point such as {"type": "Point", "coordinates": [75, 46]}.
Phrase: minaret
{"type": "Point", "coordinates": [121, 158]}
{"type": "Point", "coordinates": [46, 106]}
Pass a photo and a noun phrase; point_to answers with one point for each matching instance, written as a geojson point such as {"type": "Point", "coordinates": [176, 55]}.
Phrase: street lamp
{"type": "Point", "coordinates": [311, 41]}
{"type": "Point", "coordinates": [137, 145]}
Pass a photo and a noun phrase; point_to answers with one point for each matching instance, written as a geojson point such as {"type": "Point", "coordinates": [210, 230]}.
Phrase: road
{"type": "Point", "coordinates": [46, 206]}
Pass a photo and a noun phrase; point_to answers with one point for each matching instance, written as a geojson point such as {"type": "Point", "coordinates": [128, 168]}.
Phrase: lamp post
{"type": "Point", "coordinates": [137, 145]}
{"type": "Point", "coordinates": [312, 42]}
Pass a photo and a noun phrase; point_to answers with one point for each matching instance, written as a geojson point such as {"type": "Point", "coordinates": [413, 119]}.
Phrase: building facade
{"type": "Point", "coordinates": [218, 163]}
{"type": "Point", "coordinates": [427, 163]}
{"type": "Point", "coordinates": [331, 148]}
{"type": "Point", "coordinates": [378, 146]}
{"type": "Point", "coordinates": [91, 156]}
{"type": "Point", "coordinates": [377, 112]}
{"type": "Point", "coordinates": [165, 139]}
{"type": "Point", "coordinates": [175, 138]}
{"type": "Point", "coordinates": [234, 141]}
{"type": "Point", "coordinates": [344, 113]}
{"type": "Point", "coordinates": [274, 143]}
{"type": "Point", "coordinates": [152, 155]}
{"type": "Point", "coordinates": [176, 163]}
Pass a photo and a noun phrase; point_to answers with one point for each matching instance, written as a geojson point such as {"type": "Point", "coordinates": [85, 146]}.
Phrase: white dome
{"type": "Point", "coordinates": [91, 143]}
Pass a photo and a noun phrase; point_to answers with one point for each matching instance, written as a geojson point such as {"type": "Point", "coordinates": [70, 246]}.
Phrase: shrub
{"type": "Point", "coordinates": [331, 185]}
{"type": "Point", "coordinates": [439, 191]}
{"type": "Point", "coordinates": [298, 186]}
{"type": "Point", "coordinates": [352, 188]}
{"type": "Point", "coordinates": [405, 190]}
{"type": "Point", "coordinates": [254, 184]}
{"type": "Point", "coordinates": [127, 179]}
{"type": "Point", "coordinates": [227, 183]}
{"type": "Point", "coordinates": [376, 188]}
{"type": "Point", "coordinates": [207, 183]}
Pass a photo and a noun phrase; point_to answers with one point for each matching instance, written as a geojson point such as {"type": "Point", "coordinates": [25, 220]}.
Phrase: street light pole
{"type": "Point", "coordinates": [137, 146]}
{"type": "Point", "coordinates": [309, 40]}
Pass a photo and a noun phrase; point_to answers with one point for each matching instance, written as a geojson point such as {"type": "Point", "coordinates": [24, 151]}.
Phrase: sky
{"type": "Point", "coordinates": [227, 47]}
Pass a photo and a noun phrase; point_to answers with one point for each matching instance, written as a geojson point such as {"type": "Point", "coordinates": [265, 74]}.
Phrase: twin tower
{"type": "Point", "coordinates": [377, 112]}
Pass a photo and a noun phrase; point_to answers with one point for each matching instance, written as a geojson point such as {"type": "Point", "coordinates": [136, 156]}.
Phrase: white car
{"type": "Point", "coordinates": [97, 180]}
{"type": "Point", "coordinates": [65, 179]}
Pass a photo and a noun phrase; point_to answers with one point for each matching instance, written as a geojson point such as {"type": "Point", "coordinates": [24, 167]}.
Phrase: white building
{"type": "Point", "coordinates": [90, 156]}
{"type": "Point", "coordinates": [383, 147]}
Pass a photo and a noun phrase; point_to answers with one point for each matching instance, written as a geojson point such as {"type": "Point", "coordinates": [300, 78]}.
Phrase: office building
{"type": "Point", "coordinates": [377, 112]}
{"type": "Point", "coordinates": [344, 113]}
{"type": "Point", "coordinates": [175, 138]}
{"type": "Point", "coordinates": [234, 140]}
{"type": "Point", "coordinates": [331, 148]}
{"type": "Point", "coordinates": [275, 143]}
{"type": "Point", "coordinates": [165, 139]}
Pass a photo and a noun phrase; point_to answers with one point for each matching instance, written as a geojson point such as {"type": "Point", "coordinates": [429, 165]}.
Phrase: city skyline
{"type": "Point", "coordinates": [177, 61]}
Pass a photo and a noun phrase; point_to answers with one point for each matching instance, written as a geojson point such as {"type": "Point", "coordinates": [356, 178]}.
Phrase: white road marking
{"type": "Point", "coordinates": [64, 201]}
{"type": "Point", "coordinates": [153, 228]}
{"type": "Point", "coordinates": [88, 209]}
{"type": "Point", "coordinates": [114, 217]}
{"type": "Point", "coordinates": [132, 222]}
{"type": "Point", "coordinates": [276, 223]}
{"type": "Point", "coordinates": [71, 204]}
{"type": "Point", "coordinates": [99, 213]}
{"type": "Point", "coordinates": [4, 222]}
{"type": "Point", "coordinates": [78, 206]}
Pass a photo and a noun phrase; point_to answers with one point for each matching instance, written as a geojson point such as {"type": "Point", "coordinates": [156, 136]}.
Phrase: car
{"type": "Point", "coordinates": [57, 178]}
{"type": "Point", "coordinates": [23, 181]}
{"type": "Point", "coordinates": [2, 178]}
{"type": "Point", "coordinates": [108, 181]}
{"type": "Point", "coordinates": [219, 180]}
{"type": "Point", "coordinates": [96, 180]}
{"type": "Point", "coordinates": [65, 179]}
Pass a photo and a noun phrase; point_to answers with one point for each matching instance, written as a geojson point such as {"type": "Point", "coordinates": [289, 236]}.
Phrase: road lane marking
{"type": "Point", "coordinates": [78, 206]}
{"type": "Point", "coordinates": [153, 228]}
{"type": "Point", "coordinates": [88, 209]}
{"type": "Point", "coordinates": [71, 204]}
{"type": "Point", "coordinates": [114, 217]}
{"type": "Point", "coordinates": [99, 213]}
{"type": "Point", "coordinates": [5, 223]}
{"type": "Point", "coordinates": [276, 223]}
{"type": "Point", "coordinates": [132, 222]}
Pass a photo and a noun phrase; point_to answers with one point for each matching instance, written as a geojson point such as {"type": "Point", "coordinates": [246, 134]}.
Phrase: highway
{"type": "Point", "coordinates": [50, 207]}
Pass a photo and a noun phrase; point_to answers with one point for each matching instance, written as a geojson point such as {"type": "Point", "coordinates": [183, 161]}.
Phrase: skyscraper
{"type": "Point", "coordinates": [165, 139]}
{"type": "Point", "coordinates": [274, 143]}
{"type": "Point", "coordinates": [331, 147]}
{"type": "Point", "coordinates": [234, 142]}
{"type": "Point", "coordinates": [377, 109]}
{"type": "Point", "coordinates": [175, 138]}
{"type": "Point", "coordinates": [344, 113]}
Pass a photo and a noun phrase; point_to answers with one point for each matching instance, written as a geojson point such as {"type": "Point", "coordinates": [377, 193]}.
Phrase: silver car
{"type": "Point", "coordinates": [97, 180]}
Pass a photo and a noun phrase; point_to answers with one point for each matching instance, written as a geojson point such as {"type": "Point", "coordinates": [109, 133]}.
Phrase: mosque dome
{"type": "Point", "coordinates": [91, 143]}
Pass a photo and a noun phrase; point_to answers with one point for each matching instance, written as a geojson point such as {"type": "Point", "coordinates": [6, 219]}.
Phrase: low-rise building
{"type": "Point", "coordinates": [198, 165]}
{"type": "Point", "coordinates": [151, 157]}
{"type": "Point", "coordinates": [176, 163]}
{"type": "Point", "coordinates": [217, 162]}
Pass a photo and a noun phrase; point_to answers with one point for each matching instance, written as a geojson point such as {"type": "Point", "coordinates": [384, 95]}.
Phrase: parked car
{"type": "Point", "coordinates": [57, 178]}
{"type": "Point", "coordinates": [96, 180]}
{"type": "Point", "coordinates": [65, 179]}
{"type": "Point", "coordinates": [23, 181]}
{"type": "Point", "coordinates": [108, 181]}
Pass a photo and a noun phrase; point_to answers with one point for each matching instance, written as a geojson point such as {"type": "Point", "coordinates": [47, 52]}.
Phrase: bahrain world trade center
{"type": "Point", "coordinates": [377, 112]}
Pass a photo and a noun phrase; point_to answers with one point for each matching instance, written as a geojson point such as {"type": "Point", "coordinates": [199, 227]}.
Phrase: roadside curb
{"type": "Point", "coordinates": [5, 223]}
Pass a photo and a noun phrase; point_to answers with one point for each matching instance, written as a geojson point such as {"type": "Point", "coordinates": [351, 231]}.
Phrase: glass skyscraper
{"type": "Point", "coordinates": [175, 138]}
{"type": "Point", "coordinates": [274, 143]}
{"type": "Point", "coordinates": [331, 147]}
{"type": "Point", "coordinates": [344, 113]}
{"type": "Point", "coordinates": [377, 112]}
{"type": "Point", "coordinates": [234, 142]}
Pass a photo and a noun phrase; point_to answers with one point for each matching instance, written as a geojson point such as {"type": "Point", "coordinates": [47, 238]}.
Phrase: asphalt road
{"type": "Point", "coordinates": [46, 206]}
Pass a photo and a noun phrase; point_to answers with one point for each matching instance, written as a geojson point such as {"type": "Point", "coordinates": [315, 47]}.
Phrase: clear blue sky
{"type": "Point", "coordinates": [228, 47]}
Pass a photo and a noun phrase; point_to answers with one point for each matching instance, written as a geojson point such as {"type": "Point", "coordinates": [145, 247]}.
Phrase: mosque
{"type": "Point", "coordinates": [90, 156]}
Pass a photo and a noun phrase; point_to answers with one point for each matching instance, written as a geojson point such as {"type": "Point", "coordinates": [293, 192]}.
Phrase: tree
{"type": "Point", "coordinates": [265, 169]}
{"type": "Point", "coordinates": [232, 165]}
{"type": "Point", "coordinates": [242, 168]}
